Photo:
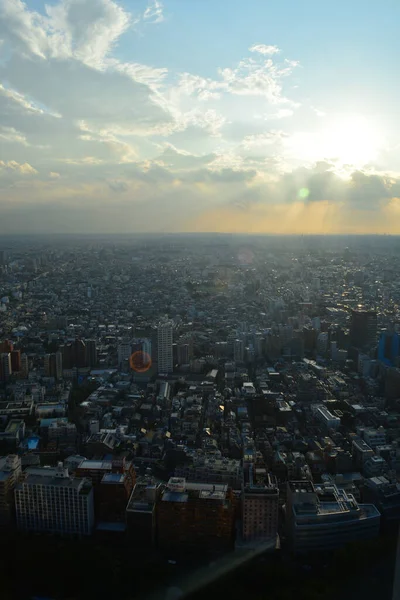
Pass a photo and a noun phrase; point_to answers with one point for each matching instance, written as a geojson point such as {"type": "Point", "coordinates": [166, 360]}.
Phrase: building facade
{"type": "Point", "coordinates": [164, 347]}
{"type": "Point", "coordinates": [55, 503]}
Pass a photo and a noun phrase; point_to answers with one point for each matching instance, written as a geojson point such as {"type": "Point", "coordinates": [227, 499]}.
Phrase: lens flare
{"type": "Point", "coordinates": [304, 193]}
{"type": "Point", "coordinates": [140, 362]}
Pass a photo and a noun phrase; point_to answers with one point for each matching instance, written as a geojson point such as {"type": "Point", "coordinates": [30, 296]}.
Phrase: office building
{"type": "Point", "coordinates": [54, 503]}
{"type": "Point", "coordinates": [24, 365]}
{"type": "Point", "coordinates": [124, 352]}
{"type": "Point", "coordinates": [238, 350]}
{"type": "Point", "coordinates": [6, 346]}
{"type": "Point", "coordinates": [164, 347]}
{"type": "Point", "coordinates": [16, 361]}
{"type": "Point", "coordinates": [363, 328]}
{"type": "Point", "coordinates": [260, 496]}
{"type": "Point", "coordinates": [10, 474]}
{"type": "Point", "coordinates": [5, 366]}
{"type": "Point", "coordinates": [212, 470]}
{"type": "Point", "coordinates": [195, 516]}
{"type": "Point", "coordinates": [53, 365]}
{"type": "Point", "coordinates": [323, 517]}
{"type": "Point", "coordinates": [388, 347]}
{"type": "Point", "coordinates": [361, 452]}
{"type": "Point", "coordinates": [112, 497]}
{"type": "Point", "coordinates": [91, 353]}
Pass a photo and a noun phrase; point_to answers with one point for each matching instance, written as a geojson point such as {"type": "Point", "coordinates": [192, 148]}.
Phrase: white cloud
{"type": "Point", "coordinates": [154, 12]}
{"type": "Point", "coordinates": [263, 49]}
{"type": "Point", "coordinates": [14, 166]}
{"type": "Point", "coordinates": [10, 134]}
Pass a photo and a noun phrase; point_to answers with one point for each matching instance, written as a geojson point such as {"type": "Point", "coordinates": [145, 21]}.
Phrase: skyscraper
{"type": "Point", "coordinates": [53, 365]}
{"type": "Point", "coordinates": [164, 345]}
{"type": "Point", "coordinates": [5, 366]}
{"type": "Point", "coordinates": [363, 328]}
{"type": "Point", "coordinates": [91, 353]}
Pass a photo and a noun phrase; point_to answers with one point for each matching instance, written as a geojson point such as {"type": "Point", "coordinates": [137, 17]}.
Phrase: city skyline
{"type": "Point", "coordinates": [150, 116]}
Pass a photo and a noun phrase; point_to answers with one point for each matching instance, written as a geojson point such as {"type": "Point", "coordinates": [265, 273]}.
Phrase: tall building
{"type": "Point", "coordinates": [91, 353]}
{"type": "Point", "coordinates": [324, 517]}
{"type": "Point", "coordinates": [53, 365]}
{"type": "Point", "coordinates": [141, 512]}
{"type": "Point", "coordinates": [5, 366]}
{"type": "Point", "coordinates": [260, 505]}
{"type": "Point", "coordinates": [238, 350]}
{"type": "Point", "coordinates": [124, 352]}
{"type": "Point", "coordinates": [363, 328]}
{"type": "Point", "coordinates": [24, 365]}
{"type": "Point", "coordinates": [16, 361]}
{"type": "Point", "coordinates": [10, 474]}
{"type": "Point", "coordinates": [164, 346]}
{"type": "Point", "coordinates": [6, 346]}
{"type": "Point", "coordinates": [54, 503]}
{"type": "Point", "coordinates": [388, 347]}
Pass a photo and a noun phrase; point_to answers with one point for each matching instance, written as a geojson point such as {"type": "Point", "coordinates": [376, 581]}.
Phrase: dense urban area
{"type": "Point", "coordinates": [210, 402]}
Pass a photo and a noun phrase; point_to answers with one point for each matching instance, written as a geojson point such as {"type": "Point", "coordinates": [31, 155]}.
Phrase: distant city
{"type": "Point", "coordinates": [201, 396]}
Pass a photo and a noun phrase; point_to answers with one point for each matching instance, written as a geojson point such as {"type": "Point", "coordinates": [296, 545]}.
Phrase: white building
{"type": "Point", "coordinates": [164, 347]}
{"type": "Point", "coordinates": [375, 437]}
{"type": "Point", "coordinates": [55, 503]}
{"type": "Point", "coordinates": [329, 420]}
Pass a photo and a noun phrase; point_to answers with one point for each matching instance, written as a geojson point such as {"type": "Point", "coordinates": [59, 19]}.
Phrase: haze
{"type": "Point", "coordinates": [201, 116]}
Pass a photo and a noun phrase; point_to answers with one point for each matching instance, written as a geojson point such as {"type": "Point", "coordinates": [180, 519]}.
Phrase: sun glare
{"type": "Point", "coordinates": [353, 140]}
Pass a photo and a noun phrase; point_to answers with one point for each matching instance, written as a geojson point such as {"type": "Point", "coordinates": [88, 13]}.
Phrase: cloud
{"type": "Point", "coordinates": [12, 165]}
{"type": "Point", "coordinates": [154, 12]}
{"type": "Point", "coordinates": [263, 49]}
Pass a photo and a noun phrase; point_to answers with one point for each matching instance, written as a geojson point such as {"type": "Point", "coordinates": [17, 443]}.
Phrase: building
{"type": "Point", "coordinates": [212, 470]}
{"type": "Point", "coordinates": [91, 353]}
{"type": "Point", "coordinates": [24, 365]}
{"type": "Point", "coordinates": [323, 517]}
{"type": "Point", "coordinates": [54, 503]}
{"type": "Point", "coordinates": [328, 420]}
{"type": "Point", "coordinates": [196, 516]}
{"type": "Point", "coordinates": [10, 474]}
{"type": "Point", "coordinates": [164, 347]}
{"type": "Point", "coordinates": [53, 365]}
{"type": "Point", "coordinates": [388, 347]}
{"type": "Point", "coordinates": [363, 328]}
{"type": "Point", "coordinates": [96, 469]}
{"type": "Point", "coordinates": [16, 361]}
{"type": "Point", "coordinates": [361, 452]}
{"type": "Point", "coordinates": [386, 497]}
{"type": "Point", "coordinates": [260, 498]}
{"type": "Point", "coordinates": [5, 366]}
{"type": "Point", "coordinates": [238, 350]}
{"type": "Point", "coordinates": [124, 352]}
{"type": "Point", "coordinates": [375, 437]}
{"type": "Point", "coordinates": [141, 512]}
{"type": "Point", "coordinates": [112, 497]}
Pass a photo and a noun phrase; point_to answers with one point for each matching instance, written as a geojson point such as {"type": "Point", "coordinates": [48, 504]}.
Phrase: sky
{"type": "Point", "coordinates": [199, 115]}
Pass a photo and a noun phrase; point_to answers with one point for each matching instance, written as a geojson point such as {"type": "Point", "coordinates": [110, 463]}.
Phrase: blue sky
{"type": "Point", "coordinates": [199, 115]}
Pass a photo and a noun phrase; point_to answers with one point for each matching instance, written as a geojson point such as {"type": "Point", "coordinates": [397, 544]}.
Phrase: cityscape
{"type": "Point", "coordinates": [201, 399]}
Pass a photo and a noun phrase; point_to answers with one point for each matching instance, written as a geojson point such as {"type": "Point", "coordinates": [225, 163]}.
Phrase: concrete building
{"type": "Point", "coordinates": [5, 366]}
{"type": "Point", "coordinates": [212, 470]}
{"type": "Point", "coordinates": [323, 517]}
{"type": "Point", "coordinates": [53, 365]}
{"type": "Point", "coordinates": [327, 419]}
{"type": "Point", "coordinates": [260, 496]}
{"type": "Point", "coordinates": [164, 347]}
{"type": "Point", "coordinates": [124, 352]}
{"type": "Point", "coordinates": [363, 328]}
{"type": "Point", "coordinates": [195, 516]}
{"type": "Point", "coordinates": [141, 512]}
{"type": "Point", "coordinates": [10, 474]}
{"type": "Point", "coordinates": [55, 503]}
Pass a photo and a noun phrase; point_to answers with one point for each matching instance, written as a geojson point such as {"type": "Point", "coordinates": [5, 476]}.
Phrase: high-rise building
{"type": "Point", "coordinates": [238, 350]}
{"type": "Point", "coordinates": [164, 345]}
{"type": "Point", "coordinates": [16, 361]}
{"type": "Point", "coordinates": [124, 352]}
{"type": "Point", "coordinates": [388, 347]}
{"type": "Point", "coordinates": [91, 353]}
{"type": "Point", "coordinates": [6, 346]}
{"type": "Point", "coordinates": [53, 365]}
{"type": "Point", "coordinates": [5, 366]}
{"type": "Point", "coordinates": [363, 328]}
{"type": "Point", "coordinates": [10, 474]}
{"type": "Point", "coordinates": [24, 365]}
{"type": "Point", "coordinates": [260, 505]}
{"type": "Point", "coordinates": [141, 512]}
{"type": "Point", "coordinates": [54, 503]}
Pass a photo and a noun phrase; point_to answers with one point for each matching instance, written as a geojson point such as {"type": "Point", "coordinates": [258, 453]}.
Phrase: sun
{"type": "Point", "coordinates": [353, 140]}
{"type": "Point", "coordinates": [349, 140]}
